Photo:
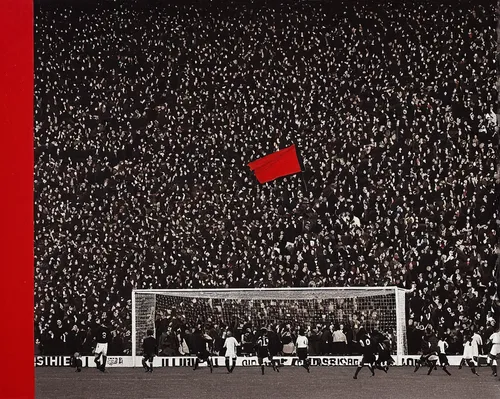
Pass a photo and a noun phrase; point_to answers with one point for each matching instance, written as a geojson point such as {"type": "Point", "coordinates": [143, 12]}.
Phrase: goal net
{"type": "Point", "coordinates": [379, 308]}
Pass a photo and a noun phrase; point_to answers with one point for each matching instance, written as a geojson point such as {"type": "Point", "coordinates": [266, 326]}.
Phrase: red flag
{"type": "Point", "coordinates": [275, 165]}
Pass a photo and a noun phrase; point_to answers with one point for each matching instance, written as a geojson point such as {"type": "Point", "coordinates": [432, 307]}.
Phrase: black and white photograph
{"type": "Point", "coordinates": [266, 199]}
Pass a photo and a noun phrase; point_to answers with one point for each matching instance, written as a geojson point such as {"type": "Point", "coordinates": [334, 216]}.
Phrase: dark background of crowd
{"type": "Point", "coordinates": [147, 114]}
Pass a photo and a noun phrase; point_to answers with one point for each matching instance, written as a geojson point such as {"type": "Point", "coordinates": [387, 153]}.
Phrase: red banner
{"type": "Point", "coordinates": [278, 164]}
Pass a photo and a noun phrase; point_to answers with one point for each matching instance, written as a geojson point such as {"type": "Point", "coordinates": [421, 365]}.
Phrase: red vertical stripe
{"type": "Point", "coordinates": [16, 199]}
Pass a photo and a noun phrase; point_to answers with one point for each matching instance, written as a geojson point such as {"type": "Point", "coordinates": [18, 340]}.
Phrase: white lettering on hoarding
{"type": "Point", "coordinates": [219, 361]}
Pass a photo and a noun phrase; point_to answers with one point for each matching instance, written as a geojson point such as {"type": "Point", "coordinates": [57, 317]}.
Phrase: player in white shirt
{"type": "Point", "coordinates": [231, 345]}
{"type": "Point", "coordinates": [468, 356]}
{"type": "Point", "coordinates": [477, 344]}
{"type": "Point", "coordinates": [302, 345]}
{"type": "Point", "coordinates": [494, 351]}
{"type": "Point", "coordinates": [443, 346]}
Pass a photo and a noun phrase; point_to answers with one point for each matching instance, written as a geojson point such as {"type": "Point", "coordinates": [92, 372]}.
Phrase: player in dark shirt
{"type": "Point", "coordinates": [426, 352]}
{"type": "Point", "coordinates": [430, 353]}
{"type": "Point", "coordinates": [201, 344]}
{"type": "Point", "coordinates": [102, 339]}
{"type": "Point", "coordinates": [149, 348]}
{"type": "Point", "coordinates": [434, 347]}
{"type": "Point", "coordinates": [262, 346]}
{"type": "Point", "coordinates": [383, 346]}
{"type": "Point", "coordinates": [275, 347]}
{"type": "Point", "coordinates": [368, 350]}
{"type": "Point", "coordinates": [76, 361]}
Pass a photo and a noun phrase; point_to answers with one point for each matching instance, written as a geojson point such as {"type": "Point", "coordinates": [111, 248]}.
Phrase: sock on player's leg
{"type": "Point", "coordinates": [446, 370]}
{"type": "Point", "coordinates": [380, 367]}
{"type": "Point", "coordinates": [196, 363]}
{"type": "Point", "coordinates": [357, 372]}
{"type": "Point", "coordinates": [385, 366]}
{"type": "Point", "coordinates": [210, 365]}
{"type": "Point", "coordinates": [103, 366]}
{"type": "Point", "coordinates": [262, 369]}
{"type": "Point", "coordinates": [433, 364]}
{"type": "Point", "coordinates": [370, 367]}
{"type": "Point", "coordinates": [233, 365]}
{"type": "Point", "coordinates": [145, 364]}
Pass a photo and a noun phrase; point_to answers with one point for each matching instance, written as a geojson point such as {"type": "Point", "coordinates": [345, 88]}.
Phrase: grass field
{"type": "Point", "coordinates": [248, 383]}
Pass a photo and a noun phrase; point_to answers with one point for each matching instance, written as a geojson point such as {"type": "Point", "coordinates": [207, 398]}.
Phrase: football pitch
{"type": "Point", "coordinates": [248, 383]}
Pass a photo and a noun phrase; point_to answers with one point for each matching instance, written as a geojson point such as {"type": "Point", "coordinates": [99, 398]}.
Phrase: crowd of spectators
{"type": "Point", "coordinates": [327, 340]}
{"type": "Point", "coordinates": [176, 317]}
{"type": "Point", "coordinates": [146, 115]}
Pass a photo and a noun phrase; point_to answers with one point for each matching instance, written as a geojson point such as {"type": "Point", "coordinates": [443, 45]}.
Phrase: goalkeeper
{"type": "Point", "coordinates": [150, 348]}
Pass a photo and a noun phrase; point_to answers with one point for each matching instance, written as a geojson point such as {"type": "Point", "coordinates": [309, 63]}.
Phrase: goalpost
{"type": "Point", "coordinates": [380, 308]}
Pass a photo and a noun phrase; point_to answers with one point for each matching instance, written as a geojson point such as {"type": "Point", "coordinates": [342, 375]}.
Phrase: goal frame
{"type": "Point", "coordinates": [396, 290]}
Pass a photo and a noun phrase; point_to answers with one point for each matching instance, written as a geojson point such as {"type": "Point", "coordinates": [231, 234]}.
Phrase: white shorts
{"type": "Point", "coordinates": [468, 352]}
{"type": "Point", "coordinates": [101, 349]}
{"type": "Point", "coordinates": [433, 358]}
{"type": "Point", "coordinates": [495, 350]}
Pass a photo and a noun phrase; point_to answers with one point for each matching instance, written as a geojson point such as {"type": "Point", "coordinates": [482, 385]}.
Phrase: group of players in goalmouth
{"type": "Point", "coordinates": [374, 347]}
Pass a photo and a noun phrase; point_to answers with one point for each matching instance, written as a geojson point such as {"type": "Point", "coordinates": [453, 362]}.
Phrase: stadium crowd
{"type": "Point", "coordinates": [146, 116]}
